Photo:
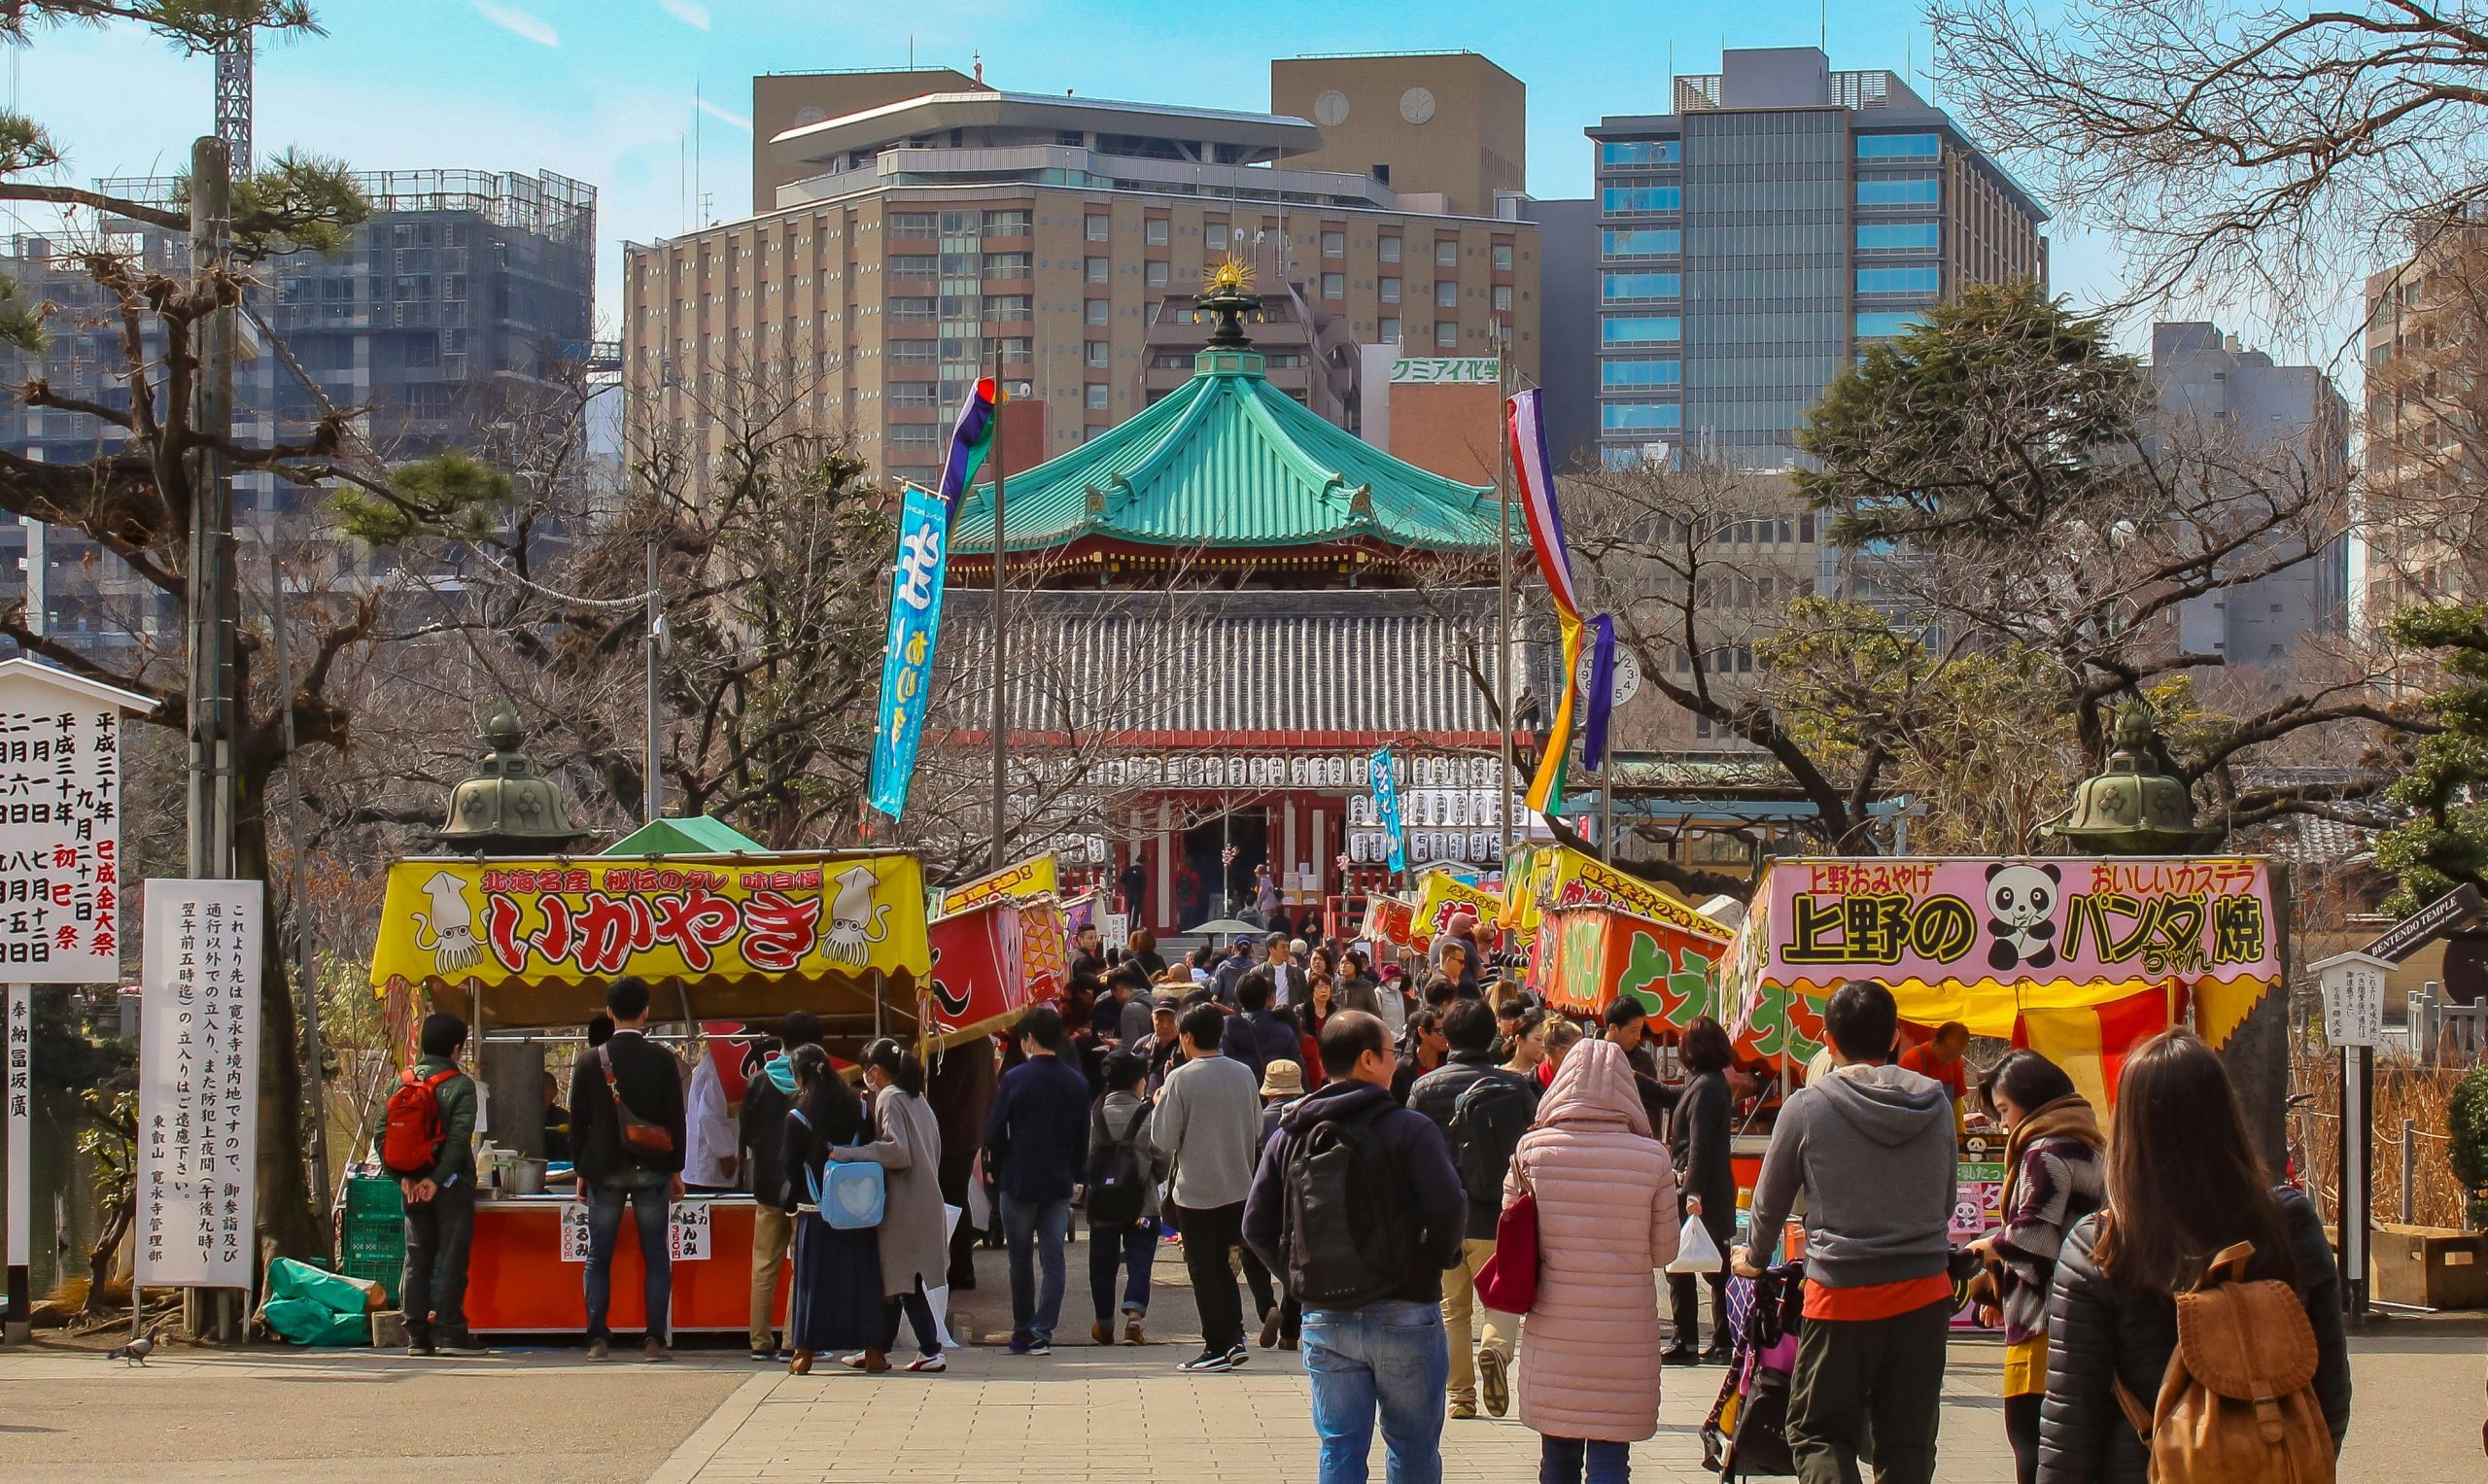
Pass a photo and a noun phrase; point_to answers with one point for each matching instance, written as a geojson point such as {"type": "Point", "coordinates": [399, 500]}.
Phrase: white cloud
{"type": "Point", "coordinates": [724, 115]}
{"type": "Point", "coordinates": [689, 12]}
{"type": "Point", "coordinates": [520, 23]}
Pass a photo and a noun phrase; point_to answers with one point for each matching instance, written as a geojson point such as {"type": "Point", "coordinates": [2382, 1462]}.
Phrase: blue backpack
{"type": "Point", "coordinates": [849, 1196]}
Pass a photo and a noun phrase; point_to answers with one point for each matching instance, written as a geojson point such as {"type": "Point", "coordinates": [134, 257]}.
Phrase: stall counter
{"type": "Point", "coordinates": [523, 1276]}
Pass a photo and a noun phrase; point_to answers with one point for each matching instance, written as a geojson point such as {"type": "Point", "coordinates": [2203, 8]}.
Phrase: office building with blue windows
{"type": "Point", "coordinates": [1755, 238]}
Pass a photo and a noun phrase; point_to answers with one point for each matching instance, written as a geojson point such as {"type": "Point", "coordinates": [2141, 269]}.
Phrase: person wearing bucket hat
{"type": "Point", "coordinates": [1282, 1320]}
{"type": "Point", "coordinates": [1282, 1082]}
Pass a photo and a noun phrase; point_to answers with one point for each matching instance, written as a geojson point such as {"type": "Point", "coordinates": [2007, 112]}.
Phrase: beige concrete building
{"type": "Point", "coordinates": [2426, 464]}
{"type": "Point", "coordinates": [1450, 124]}
{"type": "Point", "coordinates": [905, 242]}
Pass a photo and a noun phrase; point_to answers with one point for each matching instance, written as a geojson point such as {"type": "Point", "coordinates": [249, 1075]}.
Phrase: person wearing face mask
{"type": "Point", "coordinates": [914, 1234]}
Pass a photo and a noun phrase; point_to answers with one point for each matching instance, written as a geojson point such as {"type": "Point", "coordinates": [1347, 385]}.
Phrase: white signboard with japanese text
{"type": "Point", "coordinates": [686, 1231]}
{"type": "Point", "coordinates": [59, 826]}
{"type": "Point", "coordinates": [2352, 987]}
{"type": "Point", "coordinates": [198, 1057]}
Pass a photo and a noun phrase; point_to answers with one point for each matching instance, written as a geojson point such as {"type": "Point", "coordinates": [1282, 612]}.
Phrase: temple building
{"type": "Point", "coordinates": [1219, 609]}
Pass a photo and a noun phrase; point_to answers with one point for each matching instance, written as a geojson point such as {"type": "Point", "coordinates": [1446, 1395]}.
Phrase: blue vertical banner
{"type": "Point", "coordinates": [907, 664]}
{"type": "Point", "coordinates": [1602, 692]}
{"type": "Point", "coordinates": [1386, 806]}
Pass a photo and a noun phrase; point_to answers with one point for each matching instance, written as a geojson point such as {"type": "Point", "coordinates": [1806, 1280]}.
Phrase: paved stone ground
{"type": "Point", "coordinates": [1120, 1414]}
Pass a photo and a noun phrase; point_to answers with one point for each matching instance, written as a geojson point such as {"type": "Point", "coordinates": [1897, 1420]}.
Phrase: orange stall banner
{"type": "Point", "coordinates": [1588, 957]}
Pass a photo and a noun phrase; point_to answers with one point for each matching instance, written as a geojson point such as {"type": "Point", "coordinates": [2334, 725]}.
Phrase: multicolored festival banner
{"type": "Point", "coordinates": [720, 936]}
{"type": "Point", "coordinates": [1532, 471]}
{"type": "Point", "coordinates": [1988, 943]}
{"type": "Point", "coordinates": [971, 439]}
{"type": "Point", "coordinates": [1386, 806]}
{"type": "Point", "coordinates": [1542, 878]}
{"type": "Point", "coordinates": [979, 982]}
{"type": "Point", "coordinates": [907, 662]}
{"type": "Point", "coordinates": [1601, 707]}
{"type": "Point", "coordinates": [1034, 877]}
{"type": "Point", "coordinates": [1442, 896]}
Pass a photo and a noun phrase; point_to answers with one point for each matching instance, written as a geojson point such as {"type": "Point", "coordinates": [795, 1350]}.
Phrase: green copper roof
{"type": "Point", "coordinates": [697, 835]}
{"type": "Point", "coordinates": [1228, 460]}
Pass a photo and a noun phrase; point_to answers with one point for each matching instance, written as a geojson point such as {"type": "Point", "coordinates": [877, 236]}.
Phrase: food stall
{"type": "Point", "coordinates": [1542, 878]}
{"type": "Point", "coordinates": [523, 949]}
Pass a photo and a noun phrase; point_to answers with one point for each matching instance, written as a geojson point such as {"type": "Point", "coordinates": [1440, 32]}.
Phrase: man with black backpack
{"type": "Point", "coordinates": [1357, 1203]}
{"type": "Point", "coordinates": [627, 1117]}
{"type": "Point", "coordinates": [429, 1143]}
{"type": "Point", "coordinates": [1483, 1111]}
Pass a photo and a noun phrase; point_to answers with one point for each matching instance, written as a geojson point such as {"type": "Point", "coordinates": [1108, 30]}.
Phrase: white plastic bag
{"type": "Point", "coordinates": [1695, 1252]}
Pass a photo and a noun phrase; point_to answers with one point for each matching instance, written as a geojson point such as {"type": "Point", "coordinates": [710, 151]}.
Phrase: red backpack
{"type": "Point", "coordinates": [411, 1139]}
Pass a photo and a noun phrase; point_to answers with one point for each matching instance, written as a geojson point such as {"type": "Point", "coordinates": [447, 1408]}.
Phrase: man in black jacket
{"type": "Point", "coordinates": [628, 1079]}
{"type": "Point", "coordinates": [1469, 1027]}
{"type": "Point", "coordinates": [766, 1099]}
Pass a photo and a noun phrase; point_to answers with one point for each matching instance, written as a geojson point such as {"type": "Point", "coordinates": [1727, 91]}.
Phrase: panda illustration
{"type": "Point", "coordinates": [2021, 903]}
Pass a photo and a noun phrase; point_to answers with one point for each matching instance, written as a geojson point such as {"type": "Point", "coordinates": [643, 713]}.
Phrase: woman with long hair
{"type": "Point", "coordinates": [913, 1236]}
{"type": "Point", "coordinates": [2183, 1185]}
{"type": "Point", "coordinates": [836, 1302]}
{"type": "Point", "coordinates": [1698, 1138]}
{"type": "Point", "coordinates": [2055, 1175]}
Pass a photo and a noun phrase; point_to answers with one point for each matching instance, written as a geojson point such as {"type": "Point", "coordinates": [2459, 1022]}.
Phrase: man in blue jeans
{"type": "Point", "coordinates": [1386, 1356]}
{"type": "Point", "coordinates": [1036, 1142]}
{"type": "Point", "coordinates": [629, 1079]}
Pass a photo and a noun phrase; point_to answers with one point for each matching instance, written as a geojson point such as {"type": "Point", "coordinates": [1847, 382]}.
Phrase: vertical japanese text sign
{"type": "Point", "coordinates": [198, 1057]}
{"type": "Point", "coordinates": [59, 877]}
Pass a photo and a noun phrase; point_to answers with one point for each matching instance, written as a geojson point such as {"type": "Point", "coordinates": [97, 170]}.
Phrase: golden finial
{"type": "Point", "coordinates": [1234, 275]}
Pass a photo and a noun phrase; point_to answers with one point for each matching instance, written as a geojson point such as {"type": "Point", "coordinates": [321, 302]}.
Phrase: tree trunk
{"type": "Point", "coordinates": [289, 1227]}
{"type": "Point", "coordinates": [102, 1257]}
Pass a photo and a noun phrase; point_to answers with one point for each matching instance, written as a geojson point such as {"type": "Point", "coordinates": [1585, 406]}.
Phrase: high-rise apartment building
{"type": "Point", "coordinates": [2214, 390]}
{"type": "Point", "coordinates": [1779, 217]}
{"type": "Point", "coordinates": [1449, 126]}
{"type": "Point", "coordinates": [905, 244]}
{"type": "Point", "coordinates": [2423, 521]}
{"type": "Point", "coordinates": [459, 292]}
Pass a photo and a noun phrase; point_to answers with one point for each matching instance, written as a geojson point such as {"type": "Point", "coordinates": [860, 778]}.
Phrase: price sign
{"type": "Point", "coordinates": [686, 1231]}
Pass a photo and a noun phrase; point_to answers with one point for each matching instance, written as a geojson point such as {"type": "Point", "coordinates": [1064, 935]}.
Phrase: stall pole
{"type": "Point", "coordinates": [1504, 585]}
{"type": "Point", "coordinates": [2356, 1206]}
{"type": "Point", "coordinates": [1001, 633]}
{"type": "Point", "coordinates": [21, 1019]}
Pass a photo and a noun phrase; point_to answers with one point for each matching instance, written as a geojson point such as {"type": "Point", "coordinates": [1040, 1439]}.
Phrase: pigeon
{"type": "Point", "coordinates": [136, 1352]}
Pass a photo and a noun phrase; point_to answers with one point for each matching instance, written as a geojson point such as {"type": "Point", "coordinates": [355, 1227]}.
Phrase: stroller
{"type": "Point", "coordinates": [1747, 1434]}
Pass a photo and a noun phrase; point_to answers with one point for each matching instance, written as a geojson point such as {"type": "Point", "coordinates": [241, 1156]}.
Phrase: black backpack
{"type": "Point", "coordinates": [1118, 1176]}
{"type": "Point", "coordinates": [1345, 1227]}
{"type": "Point", "coordinates": [1487, 1121]}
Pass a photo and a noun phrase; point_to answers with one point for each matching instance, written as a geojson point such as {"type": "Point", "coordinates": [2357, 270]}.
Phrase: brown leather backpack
{"type": "Point", "coordinates": [2238, 1403]}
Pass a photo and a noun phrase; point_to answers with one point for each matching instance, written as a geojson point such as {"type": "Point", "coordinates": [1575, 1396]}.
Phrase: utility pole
{"type": "Point", "coordinates": [211, 617]}
{"type": "Point", "coordinates": [655, 805]}
{"type": "Point", "coordinates": [233, 99]}
{"type": "Point", "coordinates": [312, 1050]}
{"type": "Point", "coordinates": [1504, 583]}
{"type": "Point", "coordinates": [1001, 634]}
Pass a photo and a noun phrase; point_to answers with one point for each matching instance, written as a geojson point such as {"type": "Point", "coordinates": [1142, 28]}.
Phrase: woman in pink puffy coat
{"type": "Point", "coordinates": [1606, 1219]}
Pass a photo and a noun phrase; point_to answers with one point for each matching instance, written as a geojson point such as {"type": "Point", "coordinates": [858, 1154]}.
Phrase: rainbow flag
{"type": "Point", "coordinates": [971, 439]}
{"type": "Point", "coordinates": [1537, 482]}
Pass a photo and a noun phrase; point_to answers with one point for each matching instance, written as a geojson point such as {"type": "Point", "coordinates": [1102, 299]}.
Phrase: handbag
{"type": "Point", "coordinates": [1508, 1282]}
{"type": "Point", "coordinates": [1695, 1252]}
{"type": "Point", "coordinates": [639, 1137]}
{"type": "Point", "coordinates": [850, 1197]}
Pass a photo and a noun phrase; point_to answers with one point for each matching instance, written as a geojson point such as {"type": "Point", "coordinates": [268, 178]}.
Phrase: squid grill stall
{"type": "Point", "coordinates": [523, 949]}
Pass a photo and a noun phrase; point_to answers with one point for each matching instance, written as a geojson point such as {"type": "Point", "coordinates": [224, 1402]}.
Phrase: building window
{"type": "Point", "coordinates": [1389, 288]}
{"type": "Point", "coordinates": [1641, 152]}
{"type": "Point", "coordinates": [1645, 286]}
{"type": "Point", "coordinates": [1388, 248]}
{"type": "Point", "coordinates": [1388, 332]}
{"type": "Point", "coordinates": [911, 309]}
{"type": "Point", "coordinates": [1641, 374]}
{"type": "Point", "coordinates": [1099, 351]}
{"type": "Point", "coordinates": [1899, 147]}
{"type": "Point", "coordinates": [1446, 335]}
{"type": "Point", "coordinates": [1334, 286]}
{"type": "Point", "coordinates": [1883, 327]}
{"type": "Point", "coordinates": [1006, 224]}
{"type": "Point", "coordinates": [1098, 310]}
{"type": "Point", "coordinates": [1099, 269]}
{"type": "Point", "coordinates": [1018, 349]}
{"type": "Point", "coordinates": [1214, 234]}
{"type": "Point", "coordinates": [1007, 265]}
{"type": "Point", "coordinates": [915, 352]}
{"type": "Point", "coordinates": [1099, 228]}
{"type": "Point", "coordinates": [1641, 417]}
{"type": "Point", "coordinates": [1926, 191]}
{"type": "Point", "coordinates": [1447, 293]}
{"type": "Point", "coordinates": [1097, 397]}
{"type": "Point", "coordinates": [1899, 237]}
{"type": "Point", "coordinates": [1010, 306]}
{"type": "Point", "coordinates": [1334, 244]}
{"type": "Point", "coordinates": [1503, 298]}
{"type": "Point", "coordinates": [1503, 257]}
{"type": "Point", "coordinates": [1446, 252]}
{"type": "Point", "coordinates": [913, 223]}
{"type": "Point", "coordinates": [1627, 200]}
{"type": "Point", "coordinates": [1925, 280]}
{"type": "Point", "coordinates": [1644, 242]}
{"type": "Point", "coordinates": [1642, 331]}
{"type": "Point", "coordinates": [1156, 233]}
{"type": "Point", "coordinates": [914, 265]}
{"type": "Point", "coordinates": [1155, 274]}
{"type": "Point", "coordinates": [917, 436]}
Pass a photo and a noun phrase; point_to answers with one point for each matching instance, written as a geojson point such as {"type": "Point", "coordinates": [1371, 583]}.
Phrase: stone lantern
{"type": "Point", "coordinates": [508, 807]}
{"type": "Point", "coordinates": [2137, 805]}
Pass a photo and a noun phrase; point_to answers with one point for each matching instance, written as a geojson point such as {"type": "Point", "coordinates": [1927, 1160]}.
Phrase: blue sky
{"type": "Point", "coordinates": [605, 90]}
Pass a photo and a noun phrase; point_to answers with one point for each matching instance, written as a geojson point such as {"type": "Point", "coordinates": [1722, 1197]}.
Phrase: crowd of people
{"type": "Point", "coordinates": [1360, 1151]}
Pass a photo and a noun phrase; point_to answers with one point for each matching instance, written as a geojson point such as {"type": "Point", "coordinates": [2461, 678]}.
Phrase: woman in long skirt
{"type": "Point", "coordinates": [836, 1300]}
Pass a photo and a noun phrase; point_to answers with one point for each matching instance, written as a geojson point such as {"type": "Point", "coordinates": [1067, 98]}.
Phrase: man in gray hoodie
{"type": "Point", "coordinates": [1872, 1147]}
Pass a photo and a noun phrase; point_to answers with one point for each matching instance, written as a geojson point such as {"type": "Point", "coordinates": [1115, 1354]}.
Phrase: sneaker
{"type": "Point", "coordinates": [766, 1358]}
{"type": "Point", "coordinates": [1209, 1361]}
{"type": "Point", "coordinates": [420, 1349]}
{"type": "Point", "coordinates": [658, 1354]}
{"type": "Point", "coordinates": [1464, 1411]}
{"type": "Point", "coordinates": [1494, 1387]}
{"type": "Point", "coordinates": [1239, 1355]}
{"type": "Point", "coordinates": [1132, 1334]}
{"type": "Point", "coordinates": [1020, 1345]}
{"type": "Point", "coordinates": [1269, 1330]}
{"type": "Point", "coordinates": [464, 1345]}
{"type": "Point", "coordinates": [597, 1350]}
{"type": "Point", "coordinates": [927, 1364]}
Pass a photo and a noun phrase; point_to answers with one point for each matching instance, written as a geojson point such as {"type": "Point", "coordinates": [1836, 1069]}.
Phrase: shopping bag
{"type": "Point", "coordinates": [1695, 1252]}
{"type": "Point", "coordinates": [1508, 1282]}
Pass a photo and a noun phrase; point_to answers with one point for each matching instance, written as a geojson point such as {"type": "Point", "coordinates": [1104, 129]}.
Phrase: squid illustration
{"type": "Point", "coordinates": [855, 920]}
{"type": "Point", "coordinates": [451, 925]}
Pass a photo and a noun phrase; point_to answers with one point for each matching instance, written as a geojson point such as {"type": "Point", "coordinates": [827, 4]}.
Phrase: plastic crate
{"type": "Point", "coordinates": [372, 1196]}
{"type": "Point", "coordinates": [383, 1270]}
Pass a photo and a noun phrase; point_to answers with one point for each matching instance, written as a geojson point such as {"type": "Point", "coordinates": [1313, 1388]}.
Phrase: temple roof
{"type": "Point", "coordinates": [1227, 460]}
